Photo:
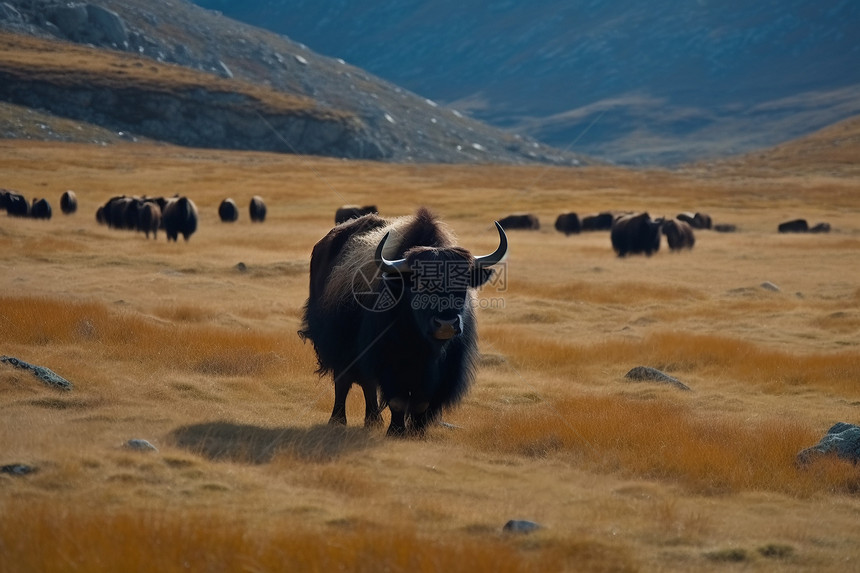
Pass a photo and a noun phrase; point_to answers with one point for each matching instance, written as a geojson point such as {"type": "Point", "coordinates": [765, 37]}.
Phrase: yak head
{"type": "Point", "coordinates": [436, 283]}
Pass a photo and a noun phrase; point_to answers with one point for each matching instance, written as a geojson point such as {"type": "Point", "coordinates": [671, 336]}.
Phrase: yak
{"type": "Point", "coordinates": [391, 308]}
{"type": "Point", "coordinates": [637, 233]}
{"type": "Point", "coordinates": [149, 218]}
{"type": "Point", "coordinates": [68, 202]}
{"type": "Point", "coordinates": [15, 204]}
{"type": "Point", "coordinates": [696, 220]}
{"type": "Point", "coordinates": [525, 221]}
{"type": "Point", "coordinates": [257, 209]}
{"type": "Point", "coordinates": [568, 223]}
{"type": "Point", "coordinates": [41, 209]}
{"type": "Point", "coordinates": [679, 234]}
{"type": "Point", "coordinates": [794, 226]}
{"type": "Point", "coordinates": [347, 212]}
{"type": "Point", "coordinates": [598, 222]}
{"type": "Point", "coordinates": [179, 217]}
{"type": "Point", "coordinates": [228, 211]}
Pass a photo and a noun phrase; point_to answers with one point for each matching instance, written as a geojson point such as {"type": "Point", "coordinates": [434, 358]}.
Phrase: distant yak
{"type": "Point", "coordinates": [679, 234]}
{"type": "Point", "coordinates": [149, 218]}
{"type": "Point", "coordinates": [179, 218]}
{"type": "Point", "coordinates": [40, 209]}
{"type": "Point", "coordinates": [696, 220]}
{"type": "Point", "coordinates": [347, 212]}
{"type": "Point", "coordinates": [794, 226]}
{"type": "Point", "coordinates": [257, 209]}
{"type": "Point", "coordinates": [568, 223]}
{"type": "Point", "coordinates": [228, 211]}
{"type": "Point", "coordinates": [598, 222]}
{"type": "Point", "coordinates": [633, 234]}
{"type": "Point", "coordinates": [525, 221]}
{"type": "Point", "coordinates": [68, 202]}
{"type": "Point", "coordinates": [15, 204]}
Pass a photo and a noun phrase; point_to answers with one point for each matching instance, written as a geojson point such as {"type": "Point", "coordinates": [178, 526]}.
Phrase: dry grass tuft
{"type": "Point", "coordinates": [666, 441]}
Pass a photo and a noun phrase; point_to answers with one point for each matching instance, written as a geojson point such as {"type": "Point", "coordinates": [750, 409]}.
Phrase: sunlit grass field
{"type": "Point", "coordinates": [180, 345]}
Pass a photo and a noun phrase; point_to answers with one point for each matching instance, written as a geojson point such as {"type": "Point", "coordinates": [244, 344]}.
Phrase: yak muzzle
{"type": "Point", "coordinates": [446, 329]}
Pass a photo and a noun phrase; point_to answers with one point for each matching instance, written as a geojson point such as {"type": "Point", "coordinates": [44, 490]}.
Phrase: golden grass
{"type": "Point", "coordinates": [665, 440]}
{"type": "Point", "coordinates": [174, 344]}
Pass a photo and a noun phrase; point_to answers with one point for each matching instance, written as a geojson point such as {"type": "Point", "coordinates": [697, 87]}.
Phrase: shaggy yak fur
{"type": "Point", "coordinates": [377, 326]}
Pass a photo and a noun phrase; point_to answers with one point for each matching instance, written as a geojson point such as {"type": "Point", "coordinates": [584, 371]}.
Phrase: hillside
{"type": "Point", "coordinates": [178, 73]}
{"type": "Point", "coordinates": [626, 81]}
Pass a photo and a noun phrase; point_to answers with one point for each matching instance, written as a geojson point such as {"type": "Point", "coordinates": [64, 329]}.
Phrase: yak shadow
{"type": "Point", "coordinates": [226, 441]}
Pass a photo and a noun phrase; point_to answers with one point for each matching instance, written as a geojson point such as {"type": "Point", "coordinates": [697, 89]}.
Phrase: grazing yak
{"type": "Point", "coordinates": [68, 202]}
{"type": "Point", "coordinates": [598, 222]}
{"type": "Point", "coordinates": [525, 221]}
{"type": "Point", "coordinates": [15, 204]}
{"type": "Point", "coordinates": [568, 223]}
{"type": "Point", "coordinates": [41, 209]}
{"type": "Point", "coordinates": [257, 209]}
{"type": "Point", "coordinates": [633, 234]}
{"type": "Point", "coordinates": [228, 211]}
{"type": "Point", "coordinates": [696, 220]}
{"type": "Point", "coordinates": [391, 308]}
{"type": "Point", "coordinates": [179, 217]}
{"type": "Point", "coordinates": [149, 218]}
{"type": "Point", "coordinates": [679, 234]}
{"type": "Point", "coordinates": [347, 212]}
{"type": "Point", "coordinates": [794, 226]}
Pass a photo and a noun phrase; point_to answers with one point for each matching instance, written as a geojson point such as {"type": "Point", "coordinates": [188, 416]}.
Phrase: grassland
{"type": "Point", "coordinates": [172, 343]}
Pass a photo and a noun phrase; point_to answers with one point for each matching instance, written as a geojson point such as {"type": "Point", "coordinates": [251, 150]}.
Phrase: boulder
{"type": "Point", "coordinates": [646, 374]}
{"type": "Point", "coordinates": [841, 439]}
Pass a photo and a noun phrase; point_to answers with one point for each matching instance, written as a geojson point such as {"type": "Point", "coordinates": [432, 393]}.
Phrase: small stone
{"type": "Point", "coordinates": [521, 526]}
{"type": "Point", "coordinates": [767, 285]}
{"type": "Point", "coordinates": [646, 374]}
{"type": "Point", "coordinates": [17, 469]}
{"type": "Point", "coordinates": [140, 446]}
{"type": "Point", "coordinates": [242, 267]}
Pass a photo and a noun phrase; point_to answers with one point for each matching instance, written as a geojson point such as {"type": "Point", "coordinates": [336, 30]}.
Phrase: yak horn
{"type": "Point", "coordinates": [498, 255]}
{"type": "Point", "coordinates": [386, 266]}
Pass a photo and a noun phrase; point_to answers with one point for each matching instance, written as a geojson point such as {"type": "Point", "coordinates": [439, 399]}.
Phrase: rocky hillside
{"type": "Point", "coordinates": [176, 72]}
{"type": "Point", "coordinates": [629, 81]}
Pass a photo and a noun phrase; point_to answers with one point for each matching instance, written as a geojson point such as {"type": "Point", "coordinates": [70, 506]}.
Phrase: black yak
{"type": "Point", "coordinates": [598, 222]}
{"type": "Point", "coordinates": [568, 223]}
{"type": "Point", "coordinates": [257, 209]}
{"type": "Point", "coordinates": [696, 220]}
{"type": "Point", "coordinates": [347, 212]}
{"type": "Point", "coordinates": [68, 202]}
{"type": "Point", "coordinates": [179, 217]}
{"type": "Point", "coordinates": [525, 221]}
{"type": "Point", "coordinates": [15, 204]}
{"type": "Point", "coordinates": [794, 226]}
{"type": "Point", "coordinates": [149, 218]}
{"type": "Point", "coordinates": [228, 211]}
{"type": "Point", "coordinates": [679, 234]}
{"type": "Point", "coordinates": [632, 234]}
{"type": "Point", "coordinates": [391, 308]}
{"type": "Point", "coordinates": [41, 209]}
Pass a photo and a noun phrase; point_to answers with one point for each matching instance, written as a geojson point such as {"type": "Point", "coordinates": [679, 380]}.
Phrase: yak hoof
{"type": "Point", "coordinates": [337, 421]}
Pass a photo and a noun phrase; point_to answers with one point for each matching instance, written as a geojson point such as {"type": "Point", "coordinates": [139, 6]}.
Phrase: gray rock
{"type": "Point", "coordinates": [44, 374]}
{"type": "Point", "coordinates": [841, 439]}
{"type": "Point", "coordinates": [521, 526]}
{"type": "Point", "coordinates": [108, 23]}
{"type": "Point", "coordinates": [70, 18]}
{"type": "Point", "coordinates": [767, 285]}
{"type": "Point", "coordinates": [140, 446]}
{"type": "Point", "coordinates": [18, 469]}
{"type": "Point", "coordinates": [646, 374]}
{"type": "Point", "coordinates": [9, 13]}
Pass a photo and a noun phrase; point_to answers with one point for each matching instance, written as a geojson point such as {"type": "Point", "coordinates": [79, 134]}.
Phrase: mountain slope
{"type": "Point", "coordinates": [663, 81]}
{"type": "Point", "coordinates": [346, 111]}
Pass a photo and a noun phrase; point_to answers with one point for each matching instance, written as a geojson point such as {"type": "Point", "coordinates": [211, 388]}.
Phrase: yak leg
{"type": "Point", "coordinates": [420, 414]}
{"type": "Point", "coordinates": [371, 405]}
{"type": "Point", "coordinates": [342, 385]}
{"type": "Point", "coordinates": [397, 428]}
